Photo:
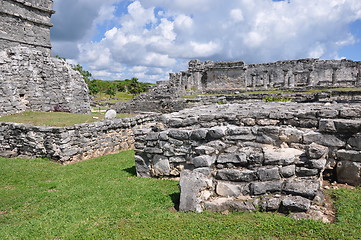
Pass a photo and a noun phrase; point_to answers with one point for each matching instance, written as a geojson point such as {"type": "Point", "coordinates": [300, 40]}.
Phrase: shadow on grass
{"type": "Point", "coordinates": [130, 170]}
{"type": "Point", "coordinates": [175, 199]}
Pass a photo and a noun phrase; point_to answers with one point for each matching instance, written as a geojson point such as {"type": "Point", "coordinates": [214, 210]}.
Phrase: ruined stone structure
{"type": "Point", "coordinates": [235, 77]}
{"type": "Point", "coordinates": [69, 144]}
{"type": "Point", "coordinates": [30, 79]}
{"type": "Point", "coordinates": [303, 73]}
{"type": "Point", "coordinates": [244, 156]}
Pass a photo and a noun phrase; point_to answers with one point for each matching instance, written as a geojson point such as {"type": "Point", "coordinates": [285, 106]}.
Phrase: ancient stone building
{"type": "Point", "coordinates": [30, 79]}
{"type": "Point", "coordinates": [302, 73]}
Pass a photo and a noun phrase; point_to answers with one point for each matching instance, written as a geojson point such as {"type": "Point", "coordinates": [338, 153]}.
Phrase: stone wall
{"type": "Point", "coordinates": [30, 79]}
{"type": "Point", "coordinates": [242, 156]}
{"type": "Point", "coordinates": [69, 144]}
{"type": "Point", "coordinates": [25, 23]}
{"type": "Point", "coordinates": [302, 73]}
{"type": "Point", "coordinates": [235, 77]}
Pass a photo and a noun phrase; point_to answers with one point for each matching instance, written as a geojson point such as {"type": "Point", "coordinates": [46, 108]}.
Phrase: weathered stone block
{"type": "Point", "coordinates": [281, 156]}
{"type": "Point", "coordinates": [191, 185]}
{"type": "Point", "coordinates": [349, 155]}
{"type": "Point", "coordinates": [319, 164]}
{"type": "Point", "coordinates": [161, 166]}
{"type": "Point", "coordinates": [316, 151]}
{"type": "Point", "coordinates": [349, 172]}
{"type": "Point", "coordinates": [295, 204]}
{"type": "Point", "coordinates": [179, 134]}
{"type": "Point", "coordinates": [204, 150]}
{"type": "Point", "coordinates": [305, 188]}
{"type": "Point", "coordinates": [288, 171]}
{"type": "Point", "coordinates": [355, 141]}
{"type": "Point", "coordinates": [199, 134]}
{"type": "Point", "coordinates": [216, 132]}
{"type": "Point", "coordinates": [240, 158]}
{"type": "Point", "coordinates": [226, 189]}
{"type": "Point", "coordinates": [270, 204]}
{"type": "Point", "coordinates": [142, 166]}
{"type": "Point", "coordinates": [306, 172]}
{"type": "Point", "coordinates": [347, 125]}
{"type": "Point", "coordinates": [236, 175]}
{"type": "Point", "coordinates": [322, 139]}
{"type": "Point", "coordinates": [268, 174]}
{"type": "Point", "coordinates": [327, 125]}
{"type": "Point", "coordinates": [259, 188]}
{"type": "Point", "coordinates": [203, 161]}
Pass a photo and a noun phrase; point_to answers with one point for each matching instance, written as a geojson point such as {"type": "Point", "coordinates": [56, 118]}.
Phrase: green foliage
{"type": "Point", "coordinates": [276, 99]}
{"type": "Point", "coordinates": [103, 199]}
{"type": "Point", "coordinates": [86, 74]}
{"type": "Point", "coordinates": [111, 91]}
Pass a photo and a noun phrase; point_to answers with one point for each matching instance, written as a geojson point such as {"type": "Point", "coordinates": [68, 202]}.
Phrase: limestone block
{"type": "Point", "coordinates": [327, 125]}
{"type": "Point", "coordinates": [319, 164]}
{"type": "Point", "coordinates": [305, 188]}
{"type": "Point", "coordinates": [322, 139]}
{"type": "Point", "coordinates": [281, 156]}
{"type": "Point", "coordinates": [306, 172]}
{"type": "Point", "coordinates": [295, 204]}
{"type": "Point", "coordinates": [316, 151]}
{"type": "Point", "coordinates": [288, 171]}
{"type": "Point", "coordinates": [268, 174]}
{"type": "Point", "coordinates": [203, 161]}
{"type": "Point", "coordinates": [236, 175]}
{"type": "Point", "coordinates": [179, 134]}
{"type": "Point", "coordinates": [216, 132]}
{"type": "Point", "coordinates": [291, 135]}
{"type": "Point", "coordinates": [223, 204]}
{"type": "Point", "coordinates": [355, 141]}
{"type": "Point", "coordinates": [204, 150]}
{"type": "Point", "coordinates": [199, 134]}
{"type": "Point", "coordinates": [191, 185]}
{"type": "Point", "coordinates": [234, 130]}
{"type": "Point", "coordinates": [240, 158]}
{"type": "Point", "coordinates": [152, 136]}
{"type": "Point", "coordinates": [227, 189]}
{"type": "Point", "coordinates": [259, 188]}
{"type": "Point", "coordinates": [142, 166]}
{"type": "Point", "coordinates": [270, 204]}
{"type": "Point", "coordinates": [177, 159]}
{"type": "Point", "coordinates": [161, 166]}
{"type": "Point", "coordinates": [347, 125]}
{"type": "Point", "coordinates": [254, 155]}
{"type": "Point", "coordinates": [349, 172]}
{"type": "Point", "coordinates": [349, 155]}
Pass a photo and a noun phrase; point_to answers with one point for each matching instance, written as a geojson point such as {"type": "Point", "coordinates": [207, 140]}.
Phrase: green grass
{"type": "Point", "coordinates": [55, 119]}
{"type": "Point", "coordinates": [122, 97]}
{"type": "Point", "coordinates": [102, 199]}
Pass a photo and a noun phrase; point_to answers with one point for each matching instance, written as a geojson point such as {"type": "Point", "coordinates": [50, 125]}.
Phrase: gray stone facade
{"type": "Point", "coordinates": [69, 144]}
{"type": "Point", "coordinates": [235, 77]}
{"type": "Point", "coordinates": [30, 79]}
{"type": "Point", "coordinates": [244, 156]}
{"type": "Point", "coordinates": [303, 73]}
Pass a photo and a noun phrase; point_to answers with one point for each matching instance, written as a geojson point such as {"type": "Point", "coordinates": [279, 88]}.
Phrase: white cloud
{"type": "Point", "coordinates": [157, 36]}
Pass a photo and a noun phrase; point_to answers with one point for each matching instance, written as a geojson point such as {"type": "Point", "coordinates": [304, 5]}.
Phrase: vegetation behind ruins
{"type": "Point", "coordinates": [103, 199]}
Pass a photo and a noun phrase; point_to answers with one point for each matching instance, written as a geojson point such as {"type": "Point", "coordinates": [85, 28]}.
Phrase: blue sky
{"type": "Point", "coordinates": [147, 39]}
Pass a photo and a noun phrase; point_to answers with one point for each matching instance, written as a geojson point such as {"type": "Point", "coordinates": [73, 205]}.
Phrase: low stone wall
{"type": "Point", "coordinates": [69, 144]}
{"type": "Point", "coordinates": [243, 156]}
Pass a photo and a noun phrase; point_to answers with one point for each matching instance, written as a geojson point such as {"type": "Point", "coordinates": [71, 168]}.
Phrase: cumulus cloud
{"type": "Point", "coordinates": [154, 37]}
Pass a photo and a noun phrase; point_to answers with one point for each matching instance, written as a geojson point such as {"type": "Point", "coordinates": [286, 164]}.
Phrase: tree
{"type": "Point", "coordinates": [86, 74]}
{"type": "Point", "coordinates": [134, 86]}
{"type": "Point", "coordinates": [111, 91]}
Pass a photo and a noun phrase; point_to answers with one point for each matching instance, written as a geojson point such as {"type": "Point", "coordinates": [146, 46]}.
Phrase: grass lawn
{"type": "Point", "coordinates": [102, 199]}
{"type": "Point", "coordinates": [55, 119]}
